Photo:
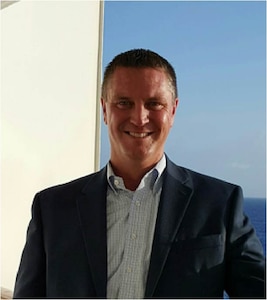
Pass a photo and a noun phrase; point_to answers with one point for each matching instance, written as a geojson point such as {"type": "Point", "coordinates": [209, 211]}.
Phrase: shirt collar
{"type": "Point", "coordinates": [116, 182]}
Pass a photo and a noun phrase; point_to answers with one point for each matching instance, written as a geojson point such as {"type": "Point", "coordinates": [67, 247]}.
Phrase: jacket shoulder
{"type": "Point", "coordinates": [196, 179]}
{"type": "Point", "coordinates": [74, 186]}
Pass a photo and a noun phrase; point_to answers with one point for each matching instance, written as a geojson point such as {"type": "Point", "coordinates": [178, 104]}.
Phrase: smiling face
{"type": "Point", "coordinates": [139, 112]}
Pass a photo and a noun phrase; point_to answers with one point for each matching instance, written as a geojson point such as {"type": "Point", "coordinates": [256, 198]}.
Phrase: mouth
{"type": "Point", "coordinates": [138, 134]}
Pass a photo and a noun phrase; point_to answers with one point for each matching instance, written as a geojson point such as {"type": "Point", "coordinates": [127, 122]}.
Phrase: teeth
{"type": "Point", "coordinates": [139, 135]}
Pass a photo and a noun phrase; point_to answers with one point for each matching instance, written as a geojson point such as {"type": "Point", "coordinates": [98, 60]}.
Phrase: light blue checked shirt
{"type": "Point", "coordinates": [131, 219]}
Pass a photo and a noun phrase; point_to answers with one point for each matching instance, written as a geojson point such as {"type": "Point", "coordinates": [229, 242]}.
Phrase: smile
{"type": "Point", "coordinates": [139, 134]}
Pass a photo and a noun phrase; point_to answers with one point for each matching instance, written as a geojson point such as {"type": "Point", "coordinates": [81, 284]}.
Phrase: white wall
{"type": "Point", "coordinates": [49, 97]}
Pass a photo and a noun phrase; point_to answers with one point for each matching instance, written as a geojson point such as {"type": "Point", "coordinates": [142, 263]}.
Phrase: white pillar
{"type": "Point", "coordinates": [50, 80]}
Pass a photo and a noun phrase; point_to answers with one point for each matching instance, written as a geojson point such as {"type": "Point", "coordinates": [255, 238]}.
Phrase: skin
{"type": "Point", "coordinates": [139, 111]}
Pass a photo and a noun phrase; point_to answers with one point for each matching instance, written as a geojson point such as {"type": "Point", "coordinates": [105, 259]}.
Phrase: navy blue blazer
{"type": "Point", "coordinates": [203, 244]}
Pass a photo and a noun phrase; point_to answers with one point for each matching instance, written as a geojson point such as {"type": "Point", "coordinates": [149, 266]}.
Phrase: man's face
{"type": "Point", "coordinates": [139, 112]}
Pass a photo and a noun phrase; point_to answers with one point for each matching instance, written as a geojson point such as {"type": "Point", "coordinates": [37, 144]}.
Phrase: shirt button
{"type": "Point", "coordinates": [116, 182]}
{"type": "Point", "coordinates": [129, 270]}
{"type": "Point", "coordinates": [137, 203]}
{"type": "Point", "coordinates": [133, 236]}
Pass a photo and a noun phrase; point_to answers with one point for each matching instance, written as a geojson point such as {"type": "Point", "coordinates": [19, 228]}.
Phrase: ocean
{"type": "Point", "coordinates": [255, 209]}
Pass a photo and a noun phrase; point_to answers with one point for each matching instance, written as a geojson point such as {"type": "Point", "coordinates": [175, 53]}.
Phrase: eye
{"type": "Point", "coordinates": [154, 105]}
{"type": "Point", "coordinates": [124, 104]}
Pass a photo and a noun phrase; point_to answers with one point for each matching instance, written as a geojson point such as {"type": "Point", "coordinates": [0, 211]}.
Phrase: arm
{"type": "Point", "coordinates": [31, 277]}
{"type": "Point", "coordinates": [245, 263]}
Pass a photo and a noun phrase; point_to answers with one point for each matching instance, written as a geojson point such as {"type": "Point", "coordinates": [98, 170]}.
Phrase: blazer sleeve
{"type": "Point", "coordinates": [245, 263]}
{"type": "Point", "coordinates": [31, 276]}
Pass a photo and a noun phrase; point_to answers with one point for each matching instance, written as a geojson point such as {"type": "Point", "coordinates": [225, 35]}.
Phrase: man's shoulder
{"type": "Point", "coordinates": [198, 178]}
{"type": "Point", "coordinates": [75, 185]}
{"type": "Point", "coordinates": [205, 186]}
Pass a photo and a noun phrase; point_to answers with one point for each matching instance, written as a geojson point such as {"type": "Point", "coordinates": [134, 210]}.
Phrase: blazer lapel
{"type": "Point", "coordinates": [91, 206]}
{"type": "Point", "coordinates": [175, 197]}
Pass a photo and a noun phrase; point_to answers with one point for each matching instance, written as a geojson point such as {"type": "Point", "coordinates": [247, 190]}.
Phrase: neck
{"type": "Point", "coordinates": [131, 172]}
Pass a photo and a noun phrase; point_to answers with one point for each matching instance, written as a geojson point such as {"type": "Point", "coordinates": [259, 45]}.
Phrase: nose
{"type": "Point", "coordinates": [139, 115]}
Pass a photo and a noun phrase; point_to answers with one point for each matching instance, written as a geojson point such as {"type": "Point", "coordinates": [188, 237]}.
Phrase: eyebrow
{"type": "Point", "coordinates": [155, 98]}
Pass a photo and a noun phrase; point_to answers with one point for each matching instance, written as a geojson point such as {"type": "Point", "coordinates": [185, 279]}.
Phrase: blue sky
{"type": "Point", "coordinates": [218, 49]}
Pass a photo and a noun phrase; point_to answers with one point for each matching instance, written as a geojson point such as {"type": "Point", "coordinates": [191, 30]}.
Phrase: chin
{"type": "Point", "coordinates": [140, 155]}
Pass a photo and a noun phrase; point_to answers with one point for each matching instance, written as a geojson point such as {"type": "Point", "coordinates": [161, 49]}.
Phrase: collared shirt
{"type": "Point", "coordinates": [131, 219]}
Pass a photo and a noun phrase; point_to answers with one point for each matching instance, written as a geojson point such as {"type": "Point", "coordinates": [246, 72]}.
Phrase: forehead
{"type": "Point", "coordinates": [148, 75]}
{"type": "Point", "coordinates": [139, 79]}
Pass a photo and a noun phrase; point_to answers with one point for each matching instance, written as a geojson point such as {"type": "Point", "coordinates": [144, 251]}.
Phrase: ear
{"type": "Point", "coordinates": [176, 102]}
{"type": "Point", "coordinates": [175, 105]}
{"type": "Point", "coordinates": [104, 110]}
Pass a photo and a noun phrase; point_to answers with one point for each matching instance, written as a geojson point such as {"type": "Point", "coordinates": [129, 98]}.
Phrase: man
{"type": "Point", "coordinates": [141, 226]}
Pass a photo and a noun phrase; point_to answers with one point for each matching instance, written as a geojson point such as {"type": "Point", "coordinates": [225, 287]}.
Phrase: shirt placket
{"type": "Point", "coordinates": [132, 279]}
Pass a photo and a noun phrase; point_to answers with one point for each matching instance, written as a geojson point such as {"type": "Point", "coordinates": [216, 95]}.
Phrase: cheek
{"type": "Point", "coordinates": [108, 116]}
{"type": "Point", "coordinates": [171, 119]}
{"type": "Point", "coordinates": [165, 121]}
{"type": "Point", "coordinates": [114, 121]}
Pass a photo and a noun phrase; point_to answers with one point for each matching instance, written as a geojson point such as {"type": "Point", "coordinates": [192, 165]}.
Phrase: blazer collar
{"type": "Point", "coordinates": [175, 197]}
